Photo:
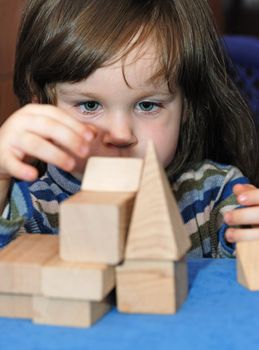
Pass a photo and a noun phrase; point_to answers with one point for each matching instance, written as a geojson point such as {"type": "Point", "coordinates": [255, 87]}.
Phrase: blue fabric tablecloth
{"type": "Point", "coordinates": [218, 314]}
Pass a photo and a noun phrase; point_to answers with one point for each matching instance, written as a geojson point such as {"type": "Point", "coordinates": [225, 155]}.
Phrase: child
{"type": "Point", "coordinates": [102, 78]}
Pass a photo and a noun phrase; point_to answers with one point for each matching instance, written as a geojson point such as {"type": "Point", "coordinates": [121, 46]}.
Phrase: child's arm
{"type": "Point", "coordinates": [42, 132]}
{"type": "Point", "coordinates": [247, 196]}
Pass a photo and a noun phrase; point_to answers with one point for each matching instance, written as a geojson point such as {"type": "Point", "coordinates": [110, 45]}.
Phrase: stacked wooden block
{"type": "Point", "coordinates": [69, 280]}
{"type": "Point", "coordinates": [35, 283]}
{"type": "Point", "coordinates": [153, 277]}
{"type": "Point", "coordinates": [248, 264]}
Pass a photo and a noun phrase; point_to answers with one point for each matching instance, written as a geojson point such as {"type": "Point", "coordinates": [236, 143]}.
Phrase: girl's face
{"type": "Point", "coordinates": [126, 113]}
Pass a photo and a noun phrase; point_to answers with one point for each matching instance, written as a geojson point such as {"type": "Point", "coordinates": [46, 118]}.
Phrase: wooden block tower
{"type": "Point", "coordinates": [153, 277]}
{"type": "Point", "coordinates": [93, 227]}
{"type": "Point", "coordinates": [248, 264]}
{"type": "Point", "coordinates": [69, 279]}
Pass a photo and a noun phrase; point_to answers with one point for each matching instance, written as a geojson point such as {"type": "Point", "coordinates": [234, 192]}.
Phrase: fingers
{"type": "Point", "coordinates": [246, 194]}
{"type": "Point", "coordinates": [241, 188]}
{"type": "Point", "coordinates": [21, 170]}
{"type": "Point", "coordinates": [242, 216]}
{"type": "Point", "coordinates": [234, 235]}
{"type": "Point", "coordinates": [42, 132]}
{"type": "Point", "coordinates": [42, 149]}
{"type": "Point", "coordinates": [55, 124]}
{"type": "Point", "coordinates": [14, 161]}
{"type": "Point", "coordinates": [62, 117]}
{"type": "Point", "coordinates": [52, 130]}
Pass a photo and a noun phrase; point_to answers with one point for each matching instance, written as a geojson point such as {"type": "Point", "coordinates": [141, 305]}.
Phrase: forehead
{"type": "Point", "coordinates": [133, 71]}
{"type": "Point", "coordinates": [138, 67]}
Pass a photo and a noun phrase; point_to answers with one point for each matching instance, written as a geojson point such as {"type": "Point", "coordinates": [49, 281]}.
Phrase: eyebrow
{"type": "Point", "coordinates": [84, 93]}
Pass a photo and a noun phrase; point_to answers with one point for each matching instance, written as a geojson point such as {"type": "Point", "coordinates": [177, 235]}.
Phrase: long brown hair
{"type": "Point", "coordinates": [64, 40]}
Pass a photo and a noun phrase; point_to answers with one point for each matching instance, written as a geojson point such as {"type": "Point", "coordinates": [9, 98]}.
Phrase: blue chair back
{"type": "Point", "coordinates": [244, 53]}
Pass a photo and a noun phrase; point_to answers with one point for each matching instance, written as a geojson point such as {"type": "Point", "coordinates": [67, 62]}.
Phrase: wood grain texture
{"type": "Point", "coordinates": [93, 226]}
{"type": "Point", "coordinates": [75, 280]}
{"type": "Point", "coordinates": [248, 264]}
{"type": "Point", "coordinates": [21, 261]}
{"type": "Point", "coordinates": [155, 287]}
{"type": "Point", "coordinates": [156, 230]}
{"type": "Point", "coordinates": [65, 312]}
{"type": "Point", "coordinates": [16, 305]}
{"type": "Point", "coordinates": [112, 174]}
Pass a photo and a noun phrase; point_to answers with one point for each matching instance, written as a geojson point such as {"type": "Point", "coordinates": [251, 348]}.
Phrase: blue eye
{"type": "Point", "coordinates": [89, 106]}
{"type": "Point", "coordinates": [147, 106]}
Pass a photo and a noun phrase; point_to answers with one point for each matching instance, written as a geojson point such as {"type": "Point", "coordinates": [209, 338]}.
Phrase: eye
{"type": "Point", "coordinates": [89, 106]}
{"type": "Point", "coordinates": [147, 106]}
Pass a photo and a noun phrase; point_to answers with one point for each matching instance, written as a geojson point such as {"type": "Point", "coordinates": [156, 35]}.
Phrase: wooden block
{"type": "Point", "coordinates": [248, 264]}
{"type": "Point", "coordinates": [16, 305]}
{"type": "Point", "coordinates": [21, 261]}
{"type": "Point", "coordinates": [112, 174]}
{"type": "Point", "coordinates": [65, 312]}
{"type": "Point", "coordinates": [93, 226]}
{"type": "Point", "coordinates": [75, 280]}
{"type": "Point", "coordinates": [156, 231]}
{"type": "Point", "coordinates": [152, 287]}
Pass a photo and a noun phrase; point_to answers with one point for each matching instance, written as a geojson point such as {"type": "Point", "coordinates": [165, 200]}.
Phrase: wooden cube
{"type": "Point", "coordinates": [155, 287]}
{"type": "Point", "coordinates": [93, 226]}
{"type": "Point", "coordinates": [112, 174]}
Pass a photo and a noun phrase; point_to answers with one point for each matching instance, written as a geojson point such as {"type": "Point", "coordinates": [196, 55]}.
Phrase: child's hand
{"type": "Point", "coordinates": [41, 132]}
{"type": "Point", "coordinates": [247, 195]}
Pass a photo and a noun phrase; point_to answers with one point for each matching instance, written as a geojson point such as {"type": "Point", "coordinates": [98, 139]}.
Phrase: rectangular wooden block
{"type": "Point", "coordinates": [112, 174]}
{"type": "Point", "coordinates": [152, 287]}
{"type": "Point", "coordinates": [21, 261]}
{"type": "Point", "coordinates": [93, 226]}
{"type": "Point", "coordinates": [75, 280]}
{"type": "Point", "coordinates": [247, 253]}
{"type": "Point", "coordinates": [65, 312]}
{"type": "Point", "coordinates": [16, 306]}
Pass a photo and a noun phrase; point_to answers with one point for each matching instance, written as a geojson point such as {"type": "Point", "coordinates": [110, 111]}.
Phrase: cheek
{"type": "Point", "coordinates": [165, 138]}
{"type": "Point", "coordinates": [166, 147]}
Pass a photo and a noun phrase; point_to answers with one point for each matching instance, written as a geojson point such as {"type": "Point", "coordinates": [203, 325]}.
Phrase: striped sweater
{"type": "Point", "coordinates": [204, 194]}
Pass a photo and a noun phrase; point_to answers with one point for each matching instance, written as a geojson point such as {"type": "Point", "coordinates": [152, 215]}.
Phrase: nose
{"type": "Point", "coordinates": [120, 133]}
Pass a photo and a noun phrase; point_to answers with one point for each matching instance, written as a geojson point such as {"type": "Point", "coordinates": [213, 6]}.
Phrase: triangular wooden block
{"type": "Point", "coordinates": [156, 231]}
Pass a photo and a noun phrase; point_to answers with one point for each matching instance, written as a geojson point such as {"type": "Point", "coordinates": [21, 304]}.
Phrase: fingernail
{"type": "Point", "coordinates": [242, 198]}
